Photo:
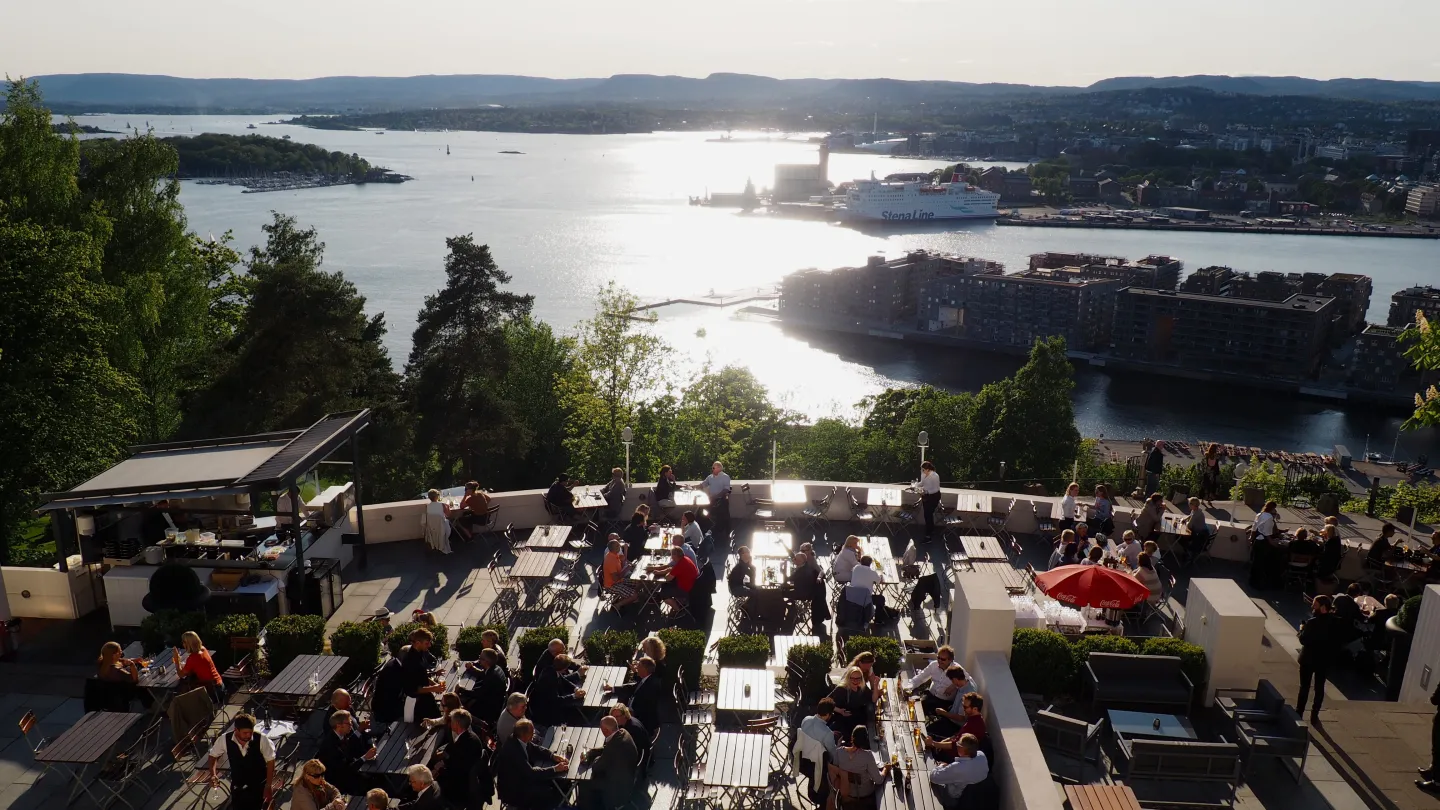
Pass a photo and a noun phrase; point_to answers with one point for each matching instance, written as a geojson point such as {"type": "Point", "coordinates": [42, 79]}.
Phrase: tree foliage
{"type": "Point", "coordinates": [1423, 352]}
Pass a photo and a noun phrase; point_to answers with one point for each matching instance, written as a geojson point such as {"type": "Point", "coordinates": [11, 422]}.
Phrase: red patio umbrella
{"type": "Point", "coordinates": [1093, 586]}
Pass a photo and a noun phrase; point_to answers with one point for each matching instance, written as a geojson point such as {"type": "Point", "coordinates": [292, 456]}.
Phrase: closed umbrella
{"type": "Point", "coordinates": [1093, 586]}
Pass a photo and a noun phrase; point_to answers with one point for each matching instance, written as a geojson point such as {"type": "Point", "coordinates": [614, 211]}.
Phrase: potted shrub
{"type": "Point", "coordinates": [1081, 648]}
{"type": "Point", "coordinates": [611, 647]}
{"type": "Point", "coordinates": [1192, 658]}
{"type": "Point", "coordinates": [289, 637]}
{"type": "Point", "coordinates": [217, 636]}
{"type": "Point", "coordinates": [1041, 662]}
{"type": "Point", "coordinates": [813, 661]}
{"type": "Point", "coordinates": [684, 648]}
{"type": "Point", "coordinates": [163, 629]}
{"type": "Point", "coordinates": [887, 653]}
{"type": "Point", "coordinates": [360, 642]}
{"type": "Point", "coordinates": [401, 638]}
{"type": "Point", "coordinates": [743, 651]}
{"type": "Point", "coordinates": [532, 644]}
{"type": "Point", "coordinates": [1401, 629]}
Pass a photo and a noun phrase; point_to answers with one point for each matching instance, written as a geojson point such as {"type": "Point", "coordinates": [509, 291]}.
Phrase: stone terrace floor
{"type": "Point", "coordinates": [49, 674]}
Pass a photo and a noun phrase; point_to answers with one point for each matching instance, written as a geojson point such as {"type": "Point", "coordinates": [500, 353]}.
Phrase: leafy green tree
{"type": "Point", "coordinates": [1423, 352]}
{"type": "Point", "coordinates": [727, 416]}
{"type": "Point", "coordinates": [824, 451]}
{"type": "Point", "coordinates": [1026, 420]}
{"type": "Point", "coordinates": [459, 356]}
{"type": "Point", "coordinates": [539, 363]}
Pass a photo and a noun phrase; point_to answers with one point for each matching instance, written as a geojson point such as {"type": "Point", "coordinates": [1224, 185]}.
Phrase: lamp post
{"type": "Point", "coordinates": [626, 437]}
{"type": "Point", "coordinates": [924, 441]}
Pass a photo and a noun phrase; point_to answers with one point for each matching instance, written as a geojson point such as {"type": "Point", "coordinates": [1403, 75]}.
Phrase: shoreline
{"type": "Point", "coordinates": [1214, 227]}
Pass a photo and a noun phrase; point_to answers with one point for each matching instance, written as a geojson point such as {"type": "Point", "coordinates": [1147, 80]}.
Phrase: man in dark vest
{"type": "Point", "coordinates": [250, 758]}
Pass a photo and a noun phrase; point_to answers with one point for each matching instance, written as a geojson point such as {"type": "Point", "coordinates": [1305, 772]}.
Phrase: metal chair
{"type": "Point", "coordinates": [1299, 570]}
{"type": "Point", "coordinates": [244, 675]}
{"type": "Point", "coordinates": [1044, 522]}
{"type": "Point", "coordinates": [763, 508]}
{"type": "Point", "coordinates": [860, 512]}
{"type": "Point", "coordinates": [27, 724]}
{"type": "Point", "coordinates": [125, 768]}
{"type": "Point", "coordinates": [817, 514]}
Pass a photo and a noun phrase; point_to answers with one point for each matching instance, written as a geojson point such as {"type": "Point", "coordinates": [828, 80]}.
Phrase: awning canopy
{"type": "Point", "coordinates": [262, 462]}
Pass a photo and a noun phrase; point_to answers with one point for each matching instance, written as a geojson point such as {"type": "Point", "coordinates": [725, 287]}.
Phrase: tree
{"type": "Point", "coordinates": [618, 358]}
{"type": "Point", "coordinates": [1026, 420]}
{"type": "Point", "coordinates": [459, 356]}
{"type": "Point", "coordinates": [727, 416]}
{"type": "Point", "coordinates": [1424, 354]}
{"type": "Point", "coordinates": [539, 363]}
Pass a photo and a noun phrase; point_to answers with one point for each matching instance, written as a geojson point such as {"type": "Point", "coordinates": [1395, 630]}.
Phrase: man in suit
{"type": "Point", "coordinates": [458, 761]}
{"type": "Point", "coordinates": [637, 730]}
{"type": "Point", "coordinates": [388, 702]}
{"type": "Point", "coordinates": [615, 765]}
{"type": "Point", "coordinates": [492, 684]}
{"type": "Point", "coordinates": [343, 751]}
{"type": "Point", "coordinates": [340, 701]}
{"type": "Point", "coordinates": [525, 771]}
{"type": "Point", "coordinates": [427, 793]}
{"type": "Point", "coordinates": [643, 696]}
{"type": "Point", "coordinates": [516, 707]}
{"type": "Point", "coordinates": [554, 649]}
{"type": "Point", "coordinates": [555, 693]}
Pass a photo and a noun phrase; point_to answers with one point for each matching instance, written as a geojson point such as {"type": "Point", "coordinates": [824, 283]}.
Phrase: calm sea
{"type": "Point", "coordinates": [573, 212]}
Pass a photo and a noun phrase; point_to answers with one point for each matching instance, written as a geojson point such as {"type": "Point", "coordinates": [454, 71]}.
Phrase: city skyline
{"type": "Point", "coordinates": [1049, 42]}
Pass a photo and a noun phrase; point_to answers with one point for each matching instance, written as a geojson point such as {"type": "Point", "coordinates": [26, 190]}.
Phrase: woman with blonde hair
{"type": "Point", "coordinates": [854, 702]}
{"type": "Point", "coordinates": [312, 792]}
{"type": "Point", "coordinates": [436, 522]}
{"type": "Point", "coordinates": [199, 665]}
{"type": "Point", "coordinates": [655, 648]}
{"type": "Point", "coordinates": [112, 666]}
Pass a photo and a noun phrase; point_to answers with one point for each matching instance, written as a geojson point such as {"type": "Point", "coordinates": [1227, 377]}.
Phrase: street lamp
{"type": "Point", "coordinates": [626, 437]}
{"type": "Point", "coordinates": [924, 441]}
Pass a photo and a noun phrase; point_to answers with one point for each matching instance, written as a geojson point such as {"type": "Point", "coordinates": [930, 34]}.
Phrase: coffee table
{"type": "Point", "coordinates": [1142, 724]}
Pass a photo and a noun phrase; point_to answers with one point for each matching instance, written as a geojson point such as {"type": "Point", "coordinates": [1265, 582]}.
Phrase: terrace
{"type": "Point", "coordinates": [991, 541]}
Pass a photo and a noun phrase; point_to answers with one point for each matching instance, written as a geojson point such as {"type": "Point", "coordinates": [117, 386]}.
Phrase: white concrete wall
{"type": "Point", "coordinates": [1223, 620]}
{"type": "Point", "coordinates": [1418, 684]}
{"type": "Point", "coordinates": [982, 617]}
{"type": "Point", "coordinates": [1019, 767]}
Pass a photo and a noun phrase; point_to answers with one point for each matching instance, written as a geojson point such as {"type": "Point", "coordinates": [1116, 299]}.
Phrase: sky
{"type": "Point", "coordinates": [1053, 42]}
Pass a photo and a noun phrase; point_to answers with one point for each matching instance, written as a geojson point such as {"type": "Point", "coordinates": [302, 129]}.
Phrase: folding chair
{"type": "Point", "coordinates": [1044, 523]}
{"type": "Point", "coordinates": [244, 675]}
{"type": "Point", "coordinates": [27, 724]}
{"type": "Point", "coordinates": [1299, 570]}
{"type": "Point", "coordinates": [860, 512]}
{"type": "Point", "coordinates": [125, 768]}
{"type": "Point", "coordinates": [817, 514]}
{"type": "Point", "coordinates": [763, 508]}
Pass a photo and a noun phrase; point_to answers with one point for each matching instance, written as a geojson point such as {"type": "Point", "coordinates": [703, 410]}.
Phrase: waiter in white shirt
{"type": "Point", "coordinates": [250, 758]}
{"type": "Point", "coordinates": [717, 486]}
{"type": "Point", "coordinates": [929, 495]}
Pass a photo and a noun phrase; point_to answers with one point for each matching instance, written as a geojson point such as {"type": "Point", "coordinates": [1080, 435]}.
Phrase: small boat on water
{"type": "Point", "coordinates": [252, 126]}
{"type": "Point", "coordinates": [447, 148]}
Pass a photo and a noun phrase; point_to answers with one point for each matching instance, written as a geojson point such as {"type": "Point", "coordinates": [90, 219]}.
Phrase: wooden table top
{"type": "Point", "coordinates": [637, 572]}
{"type": "Point", "coordinates": [897, 742]}
{"type": "Point", "coordinates": [534, 565]}
{"type": "Point", "coordinates": [163, 673]}
{"type": "Point", "coordinates": [1101, 797]}
{"type": "Point", "coordinates": [771, 544]}
{"type": "Point", "coordinates": [738, 760]}
{"type": "Point", "coordinates": [295, 678]}
{"type": "Point", "coordinates": [589, 499]}
{"type": "Point", "coordinates": [984, 548]}
{"type": "Point", "coordinates": [782, 646]}
{"type": "Point", "coordinates": [1011, 577]}
{"type": "Point", "coordinates": [596, 679]}
{"type": "Point", "coordinates": [690, 497]}
{"type": "Point", "coordinates": [788, 493]}
{"type": "Point", "coordinates": [90, 738]}
{"type": "Point", "coordinates": [878, 549]}
{"type": "Point", "coordinates": [974, 504]}
{"type": "Point", "coordinates": [390, 754]}
{"type": "Point", "coordinates": [549, 536]}
{"type": "Point", "coordinates": [458, 677]}
{"type": "Point", "coordinates": [663, 540]}
{"type": "Point", "coordinates": [730, 694]}
{"type": "Point", "coordinates": [583, 738]}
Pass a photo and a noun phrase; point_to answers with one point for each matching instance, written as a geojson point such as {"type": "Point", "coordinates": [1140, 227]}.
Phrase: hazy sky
{"type": "Point", "coordinates": [1038, 42]}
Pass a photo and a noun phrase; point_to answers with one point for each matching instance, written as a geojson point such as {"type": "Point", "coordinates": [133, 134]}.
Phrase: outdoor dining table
{"type": "Point", "coordinates": [1101, 797]}
{"type": "Point", "coordinates": [878, 550]}
{"type": "Point", "coordinates": [583, 738]}
{"type": "Point", "coordinates": [403, 745]}
{"type": "Point", "coordinates": [690, 497]}
{"type": "Point", "coordinates": [295, 679]}
{"type": "Point", "coordinates": [663, 540]}
{"type": "Point", "coordinates": [771, 544]}
{"type": "Point", "coordinates": [782, 645]}
{"type": "Point", "coordinates": [898, 746]}
{"type": "Point", "coordinates": [548, 537]}
{"type": "Point", "coordinates": [788, 493]}
{"type": "Point", "coordinates": [983, 548]}
{"type": "Point", "coordinates": [596, 679]}
{"type": "Point", "coordinates": [647, 583]}
{"type": "Point", "coordinates": [532, 565]}
{"type": "Point", "coordinates": [738, 764]}
{"type": "Point", "coordinates": [589, 500]}
{"type": "Point", "coordinates": [745, 691]}
{"type": "Point", "coordinates": [1011, 577]}
{"type": "Point", "coordinates": [87, 743]}
{"type": "Point", "coordinates": [458, 676]}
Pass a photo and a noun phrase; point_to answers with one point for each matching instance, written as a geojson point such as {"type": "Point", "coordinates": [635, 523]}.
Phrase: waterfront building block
{"type": "Point", "coordinates": [1405, 303]}
{"type": "Point", "coordinates": [1379, 363]}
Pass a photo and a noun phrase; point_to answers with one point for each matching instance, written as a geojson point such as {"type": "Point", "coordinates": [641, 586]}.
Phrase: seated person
{"type": "Point", "coordinates": [449, 702]}
{"type": "Point", "coordinates": [1147, 523]}
{"type": "Point", "coordinates": [691, 533]}
{"type": "Point", "coordinates": [492, 685]}
{"type": "Point", "coordinates": [1381, 551]}
{"type": "Point", "coordinates": [474, 511]}
{"type": "Point", "coordinates": [614, 571]}
{"type": "Point", "coordinates": [1304, 544]}
{"type": "Point", "coordinates": [1149, 577]}
{"type": "Point", "coordinates": [560, 498]}
{"type": "Point", "coordinates": [864, 575]}
{"type": "Point", "coordinates": [941, 692]}
{"type": "Point", "coordinates": [112, 667]}
{"type": "Point", "coordinates": [340, 701]}
{"type": "Point", "coordinates": [742, 573]}
{"type": "Point", "coordinates": [1095, 557]}
{"type": "Point", "coordinates": [680, 576]}
{"type": "Point", "coordinates": [969, 768]}
{"type": "Point", "coordinates": [973, 707]}
{"type": "Point", "coordinates": [638, 732]}
{"type": "Point", "coordinates": [634, 536]}
{"type": "Point", "coordinates": [553, 648]}
{"type": "Point", "coordinates": [854, 701]}
{"type": "Point", "coordinates": [555, 693]}
{"type": "Point", "coordinates": [1129, 549]}
{"type": "Point", "coordinates": [1066, 550]}
{"type": "Point", "coordinates": [948, 721]}
{"type": "Point", "coordinates": [804, 584]}
{"type": "Point", "coordinates": [863, 774]}
{"type": "Point", "coordinates": [614, 492]}
{"type": "Point", "coordinates": [1198, 527]}
{"type": "Point", "coordinates": [866, 663]}
{"type": "Point", "coordinates": [343, 751]}
{"type": "Point", "coordinates": [525, 771]}
{"type": "Point", "coordinates": [665, 487]}
{"type": "Point", "coordinates": [845, 560]}
{"type": "Point", "coordinates": [817, 726]}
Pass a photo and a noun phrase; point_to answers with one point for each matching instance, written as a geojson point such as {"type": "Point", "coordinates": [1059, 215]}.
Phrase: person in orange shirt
{"type": "Point", "coordinates": [200, 666]}
{"type": "Point", "coordinates": [614, 572]}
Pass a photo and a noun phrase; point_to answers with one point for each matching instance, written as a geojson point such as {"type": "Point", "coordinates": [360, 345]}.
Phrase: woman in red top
{"type": "Point", "coordinates": [200, 666]}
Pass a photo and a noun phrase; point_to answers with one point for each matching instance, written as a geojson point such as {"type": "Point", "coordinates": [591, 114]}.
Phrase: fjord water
{"type": "Point", "coordinates": [574, 212]}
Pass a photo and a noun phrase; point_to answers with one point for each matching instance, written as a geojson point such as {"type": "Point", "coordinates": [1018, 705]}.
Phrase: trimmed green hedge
{"type": "Point", "coordinates": [743, 651]}
{"type": "Point", "coordinates": [1192, 656]}
{"type": "Point", "coordinates": [217, 636]}
{"type": "Point", "coordinates": [289, 637]}
{"type": "Point", "coordinates": [469, 641]}
{"type": "Point", "coordinates": [401, 638]}
{"type": "Point", "coordinates": [532, 644]}
{"type": "Point", "coordinates": [1409, 614]}
{"type": "Point", "coordinates": [684, 648]}
{"type": "Point", "coordinates": [887, 653]}
{"type": "Point", "coordinates": [162, 629]}
{"type": "Point", "coordinates": [1041, 662]}
{"type": "Point", "coordinates": [814, 660]}
{"type": "Point", "coordinates": [361, 643]}
{"type": "Point", "coordinates": [611, 647]}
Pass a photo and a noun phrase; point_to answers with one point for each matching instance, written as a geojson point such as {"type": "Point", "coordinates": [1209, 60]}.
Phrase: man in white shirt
{"type": "Point", "coordinates": [846, 560]}
{"type": "Point", "coordinates": [250, 758]}
{"type": "Point", "coordinates": [865, 576]}
{"type": "Point", "coordinates": [929, 495]}
{"type": "Point", "coordinates": [717, 486]}
{"type": "Point", "coordinates": [969, 768]}
{"type": "Point", "coordinates": [941, 692]}
{"type": "Point", "coordinates": [1130, 549]}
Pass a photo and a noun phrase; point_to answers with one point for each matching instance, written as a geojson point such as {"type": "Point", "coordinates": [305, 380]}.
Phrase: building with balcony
{"type": "Point", "coordinates": [880, 292]}
{"type": "Point", "coordinates": [1380, 363]}
{"type": "Point", "coordinates": [1283, 339]}
{"type": "Point", "coordinates": [1016, 310]}
{"type": "Point", "coordinates": [1423, 201]}
{"type": "Point", "coordinates": [1405, 303]}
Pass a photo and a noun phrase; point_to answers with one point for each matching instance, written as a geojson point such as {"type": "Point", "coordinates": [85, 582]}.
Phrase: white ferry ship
{"type": "Point", "coordinates": [908, 198]}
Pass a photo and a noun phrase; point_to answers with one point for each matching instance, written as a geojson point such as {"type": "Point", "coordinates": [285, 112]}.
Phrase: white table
{"type": "Point", "coordinates": [731, 693]}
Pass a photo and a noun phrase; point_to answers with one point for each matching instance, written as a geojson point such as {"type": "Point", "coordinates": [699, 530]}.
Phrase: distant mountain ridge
{"type": "Point", "coordinates": [134, 93]}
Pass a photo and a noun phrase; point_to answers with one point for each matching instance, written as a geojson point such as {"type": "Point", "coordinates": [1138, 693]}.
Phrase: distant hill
{"type": "Point", "coordinates": [1355, 89]}
{"type": "Point", "coordinates": [123, 92]}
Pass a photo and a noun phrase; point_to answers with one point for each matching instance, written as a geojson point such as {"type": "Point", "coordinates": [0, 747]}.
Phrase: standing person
{"type": "Point", "coordinates": [1262, 537]}
{"type": "Point", "coordinates": [717, 486]}
{"type": "Point", "coordinates": [1103, 515]}
{"type": "Point", "coordinates": [1069, 506]}
{"type": "Point", "coordinates": [1332, 550]}
{"type": "Point", "coordinates": [251, 760]}
{"type": "Point", "coordinates": [1154, 465]}
{"type": "Point", "coordinates": [437, 522]}
{"type": "Point", "coordinates": [1210, 474]}
{"type": "Point", "coordinates": [417, 664]}
{"type": "Point", "coordinates": [560, 498]}
{"type": "Point", "coordinates": [1321, 638]}
{"type": "Point", "coordinates": [1427, 781]}
{"type": "Point", "coordinates": [929, 495]}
